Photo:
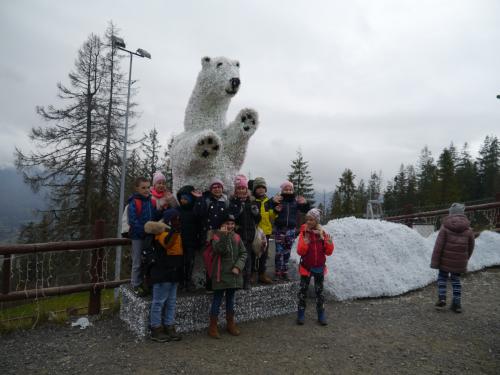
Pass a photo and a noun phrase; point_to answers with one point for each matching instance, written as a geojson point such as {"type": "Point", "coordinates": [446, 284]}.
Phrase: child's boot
{"type": "Point", "coordinates": [212, 328]}
{"type": "Point", "coordinates": [456, 307]}
{"type": "Point", "coordinates": [301, 316]}
{"type": "Point", "coordinates": [232, 328]}
{"type": "Point", "coordinates": [440, 304]}
{"type": "Point", "coordinates": [171, 332]}
{"type": "Point", "coordinates": [264, 279]}
{"type": "Point", "coordinates": [322, 317]}
{"type": "Point", "coordinates": [158, 335]}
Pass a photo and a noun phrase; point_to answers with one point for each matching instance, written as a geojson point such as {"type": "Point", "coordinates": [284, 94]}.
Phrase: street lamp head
{"type": "Point", "coordinates": [498, 96]}
{"type": "Point", "coordinates": [118, 42]}
{"type": "Point", "coordinates": [143, 53]}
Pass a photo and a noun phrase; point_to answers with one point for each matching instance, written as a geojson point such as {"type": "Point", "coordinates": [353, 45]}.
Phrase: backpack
{"type": "Point", "coordinates": [208, 260]}
{"type": "Point", "coordinates": [125, 224]}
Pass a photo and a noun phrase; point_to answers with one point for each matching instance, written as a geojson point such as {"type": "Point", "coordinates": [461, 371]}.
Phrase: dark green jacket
{"type": "Point", "coordinates": [229, 252]}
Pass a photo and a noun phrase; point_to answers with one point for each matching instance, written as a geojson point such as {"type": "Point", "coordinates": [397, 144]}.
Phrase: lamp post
{"type": "Point", "coordinates": [120, 44]}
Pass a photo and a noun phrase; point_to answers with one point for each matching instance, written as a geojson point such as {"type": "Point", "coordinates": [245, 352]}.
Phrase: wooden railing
{"type": "Point", "coordinates": [96, 268]}
{"type": "Point", "coordinates": [490, 212]}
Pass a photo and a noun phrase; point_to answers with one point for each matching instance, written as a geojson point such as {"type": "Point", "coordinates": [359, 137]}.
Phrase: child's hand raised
{"type": "Point", "coordinates": [277, 198]}
{"type": "Point", "coordinates": [236, 271]}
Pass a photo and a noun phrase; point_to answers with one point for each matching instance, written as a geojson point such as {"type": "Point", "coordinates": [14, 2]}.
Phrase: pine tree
{"type": "Point", "coordinates": [301, 178]}
{"type": "Point", "coordinates": [467, 176]}
{"type": "Point", "coordinates": [343, 201]}
{"type": "Point", "coordinates": [427, 179]}
{"type": "Point", "coordinates": [360, 198]}
{"type": "Point", "coordinates": [449, 191]}
{"type": "Point", "coordinates": [151, 149]}
{"type": "Point", "coordinates": [489, 167]}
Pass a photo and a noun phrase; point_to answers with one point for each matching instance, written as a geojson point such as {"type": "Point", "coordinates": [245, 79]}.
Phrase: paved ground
{"type": "Point", "coordinates": [399, 335]}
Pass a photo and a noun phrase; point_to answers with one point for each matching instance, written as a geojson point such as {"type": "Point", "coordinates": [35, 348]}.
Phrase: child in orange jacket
{"type": "Point", "coordinates": [313, 247]}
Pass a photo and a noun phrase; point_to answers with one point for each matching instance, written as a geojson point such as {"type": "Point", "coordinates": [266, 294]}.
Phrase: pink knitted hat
{"type": "Point", "coordinates": [241, 181]}
{"type": "Point", "coordinates": [315, 214]}
{"type": "Point", "coordinates": [286, 184]}
{"type": "Point", "coordinates": [215, 181]}
{"type": "Point", "coordinates": [157, 177]}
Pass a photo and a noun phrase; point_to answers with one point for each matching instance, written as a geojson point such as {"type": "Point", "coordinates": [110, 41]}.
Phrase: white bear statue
{"type": "Point", "coordinates": [209, 147]}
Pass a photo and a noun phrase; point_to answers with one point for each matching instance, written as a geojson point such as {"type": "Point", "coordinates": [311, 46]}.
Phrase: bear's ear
{"type": "Point", "coordinates": [205, 61]}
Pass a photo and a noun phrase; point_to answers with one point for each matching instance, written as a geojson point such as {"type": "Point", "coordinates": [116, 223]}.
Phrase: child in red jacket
{"type": "Point", "coordinates": [313, 247]}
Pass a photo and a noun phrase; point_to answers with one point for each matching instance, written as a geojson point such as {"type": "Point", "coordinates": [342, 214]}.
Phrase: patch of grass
{"type": "Point", "coordinates": [56, 309]}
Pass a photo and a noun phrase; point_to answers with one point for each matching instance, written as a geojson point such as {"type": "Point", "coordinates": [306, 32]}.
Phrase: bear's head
{"type": "Point", "coordinates": [219, 77]}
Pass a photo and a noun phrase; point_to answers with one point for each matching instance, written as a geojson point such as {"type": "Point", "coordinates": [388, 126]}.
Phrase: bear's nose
{"type": "Point", "coordinates": [235, 83]}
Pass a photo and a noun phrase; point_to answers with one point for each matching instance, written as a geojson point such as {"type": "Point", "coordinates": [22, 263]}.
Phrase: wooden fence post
{"type": "Point", "coordinates": [96, 270]}
{"type": "Point", "coordinates": [497, 199]}
{"type": "Point", "coordinates": [6, 274]}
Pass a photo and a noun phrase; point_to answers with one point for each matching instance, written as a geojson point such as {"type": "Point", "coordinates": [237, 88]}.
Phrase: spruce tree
{"type": "Point", "coordinates": [489, 167]}
{"type": "Point", "coordinates": [467, 176]}
{"type": "Point", "coordinates": [449, 191]}
{"type": "Point", "coordinates": [301, 178]}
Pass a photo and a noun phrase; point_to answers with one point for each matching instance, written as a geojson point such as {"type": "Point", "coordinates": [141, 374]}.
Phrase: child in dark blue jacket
{"type": "Point", "coordinates": [140, 211]}
{"type": "Point", "coordinates": [287, 206]}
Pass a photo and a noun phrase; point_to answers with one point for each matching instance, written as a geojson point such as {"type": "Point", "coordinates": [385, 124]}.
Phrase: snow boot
{"type": "Point", "coordinates": [171, 332]}
{"type": "Point", "coordinates": [322, 317]}
{"type": "Point", "coordinates": [232, 328]}
{"type": "Point", "coordinates": [301, 316]}
{"type": "Point", "coordinates": [264, 279]}
{"type": "Point", "coordinates": [212, 328]}
{"type": "Point", "coordinates": [158, 335]}
{"type": "Point", "coordinates": [456, 307]}
{"type": "Point", "coordinates": [440, 304]}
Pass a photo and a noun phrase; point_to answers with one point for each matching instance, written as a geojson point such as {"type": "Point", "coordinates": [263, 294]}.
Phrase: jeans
{"type": "Point", "coordinates": [284, 240]}
{"type": "Point", "coordinates": [455, 285]}
{"type": "Point", "coordinates": [217, 301]}
{"type": "Point", "coordinates": [137, 272]}
{"type": "Point", "coordinates": [163, 304]}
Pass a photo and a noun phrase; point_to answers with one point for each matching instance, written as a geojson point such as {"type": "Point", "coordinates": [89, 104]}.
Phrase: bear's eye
{"type": "Point", "coordinates": [238, 64]}
{"type": "Point", "coordinates": [219, 65]}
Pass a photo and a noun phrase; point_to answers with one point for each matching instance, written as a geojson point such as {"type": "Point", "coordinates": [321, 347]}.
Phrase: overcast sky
{"type": "Point", "coordinates": [355, 84]}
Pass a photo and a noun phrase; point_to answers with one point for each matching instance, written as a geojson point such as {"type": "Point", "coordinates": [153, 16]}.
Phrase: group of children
{"type": "Point", "coordinates": [166, 233]}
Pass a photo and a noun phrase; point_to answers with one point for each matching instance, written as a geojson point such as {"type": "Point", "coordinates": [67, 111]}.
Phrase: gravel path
{"type": "Point", "coordinates": [399, 335]}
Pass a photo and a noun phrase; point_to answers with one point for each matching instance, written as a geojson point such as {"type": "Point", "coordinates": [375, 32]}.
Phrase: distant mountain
{"type": "Point", "coordinates": [18, 203]}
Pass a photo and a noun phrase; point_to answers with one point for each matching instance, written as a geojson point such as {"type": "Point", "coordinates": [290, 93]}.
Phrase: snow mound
{"type": "Point", "coordinates": [375, 258]}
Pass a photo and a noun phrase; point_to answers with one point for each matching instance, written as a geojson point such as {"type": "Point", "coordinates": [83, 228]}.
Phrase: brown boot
{"type": "Point", "coordinates": [212, 328]}
{"type": "Point", "coordinates": [264, 279]}
{"type": "Point", "coordinates": [232, 328]}
{"type": "Point", "coordinates": [253, 278]}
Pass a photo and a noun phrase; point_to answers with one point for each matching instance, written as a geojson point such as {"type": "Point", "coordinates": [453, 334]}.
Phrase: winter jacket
{"type": "Point", "coordinates": [211, 211]}
{"type": "Point", "coordinates": [287, 217]}
{"type": "Point", "coordinates": [138, 217]}
{"type": "Point", "coordinates": [454, 245]}
{"type": "Point", "coordinates": [190, 223]}
{"type": "Point", "coordinates": [247, 215]}
{"type": "Point", "coordinates": [164, 257]}
{"type": "Point", "coordinates": [229, 252]}
{"type": "Point", "coordinates": [313, 253]}
{"type": "Point", "coordinates": [267, 215]}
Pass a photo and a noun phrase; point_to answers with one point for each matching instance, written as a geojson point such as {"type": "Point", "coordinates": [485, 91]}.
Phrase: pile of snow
{"type": "Point", "coordinates": [377, 258]}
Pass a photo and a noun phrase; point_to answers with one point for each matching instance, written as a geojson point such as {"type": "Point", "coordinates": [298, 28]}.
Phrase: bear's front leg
{"type": "Point", "coordinates": [235, 137]}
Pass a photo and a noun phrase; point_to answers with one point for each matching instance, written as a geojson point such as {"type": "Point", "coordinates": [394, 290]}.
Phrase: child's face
{"type": "Point", "coordinates": [143, 189]}
{"type": "Point", "coordinates": [216, 190]}
{"type": "Point", "coordinates": [311, 223]}
{"type": "Point", "coordinates": [160, 186]}
{"type": "Point", "coordinates": [260, 191]}
{"type": "Point", "coordinates": [184, 202]}
{"type": "Point", "coordinates": [241, 191]}
{"type": "Point", "coordinates": [229, 226]}
{"type": "Point", "coordinates": [287, 190]}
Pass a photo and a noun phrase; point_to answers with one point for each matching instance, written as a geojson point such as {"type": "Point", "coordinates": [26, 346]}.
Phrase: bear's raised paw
{"type": "Point", "coordinates": [208, 146]}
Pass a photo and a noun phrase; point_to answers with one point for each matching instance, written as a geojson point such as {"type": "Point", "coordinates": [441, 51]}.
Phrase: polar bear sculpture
{"type": "Point", "coordinates": [209, 147]}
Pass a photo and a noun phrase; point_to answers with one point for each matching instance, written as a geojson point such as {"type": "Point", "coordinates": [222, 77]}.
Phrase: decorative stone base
{"type": "Point", "coordinates": [193, 309]}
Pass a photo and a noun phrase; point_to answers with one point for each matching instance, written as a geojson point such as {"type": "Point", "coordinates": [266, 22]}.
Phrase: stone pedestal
{"type": "Point", "coordinates": [193, 309]}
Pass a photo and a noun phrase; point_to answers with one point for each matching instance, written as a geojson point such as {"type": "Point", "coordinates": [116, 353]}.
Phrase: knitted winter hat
{"type": "Point", "coordinates": [286, 184]}
{"type": "Point", "coordinates": [457, 209]}
{"type": "Point", "coordinates": [157, 177]}
{"type": "Point", "coordinates": [240, 181]}
{"type": "Point", "coordinates": [315, 214]}
{"type": "Point", "coordinates": [259, 182]}
{"type": "Point", "coordinates": [215, 181]}
{"type": "Point", "coordinates": [170, 214]}
{"type": "Point", "coordinates": [228, 217]}
{"type": "Point", "coordinates": [187, 197]}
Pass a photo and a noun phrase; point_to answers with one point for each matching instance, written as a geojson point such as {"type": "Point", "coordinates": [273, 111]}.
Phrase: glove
{"type": "Point", "coordinates": [255, 210]}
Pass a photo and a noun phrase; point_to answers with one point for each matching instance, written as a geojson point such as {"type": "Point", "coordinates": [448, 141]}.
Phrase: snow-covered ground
{"type": "Point", "coordinates": [377, 258]}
